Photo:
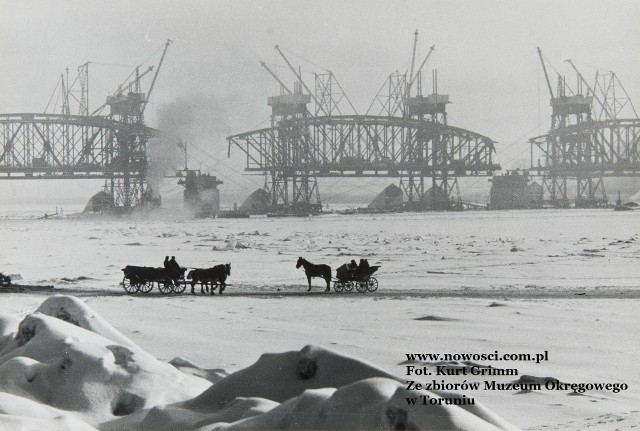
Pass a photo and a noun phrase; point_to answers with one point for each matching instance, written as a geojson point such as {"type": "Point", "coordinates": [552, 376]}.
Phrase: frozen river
{"type": "Point", "coordinates": [535, 253]}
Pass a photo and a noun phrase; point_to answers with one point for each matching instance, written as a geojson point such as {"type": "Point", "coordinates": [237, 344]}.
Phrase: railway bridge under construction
{"type": "Point", "coordinates": [87, 145]}
{"type": "Point", "coordinates": [595, 133]}
{"type": "Point", "coordinates": [296, 152]}
{"type": "Point", "coordinates": [404, 134]}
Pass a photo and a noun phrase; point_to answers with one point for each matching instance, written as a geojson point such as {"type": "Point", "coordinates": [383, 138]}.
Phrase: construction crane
{"type": "Point", "coordinates": [274, 76]}
{"type": "Point", "coordinates": [433, 47]}
{"type": "Point", "coordinates": [546, 75]}
{"type": "Point", "coordinates": [412, 77]}
{"type": "Point", "coordinates": [297, 74]}
{"type": "Point", "coordinates": [603, 105]}
{"type": "Point", "coordinates": [153, 82]}
{"type": "Point", "coordinates": [132, 84]}
{"type": "Point", "coordinates": [328, 93]}
{"type": "Point", "coordinates": [394, 97]}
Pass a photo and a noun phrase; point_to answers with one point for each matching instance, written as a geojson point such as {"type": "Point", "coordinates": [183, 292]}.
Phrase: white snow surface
{"type": "Point", "coordinates": [88, 356]}
{"type": "Point", "coordinates": [60, 372]}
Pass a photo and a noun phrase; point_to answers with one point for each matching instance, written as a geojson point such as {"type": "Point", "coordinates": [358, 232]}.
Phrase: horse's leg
{"type": "Point", "coordinates": [223, 286]}
{"type": "Point", "coordinates": [309, 280]}
{"type": "Point", "coordinates": [193, 284]}
{"type": "Point", "coordinates": [213, 287]}
{"type": "Point", "coordinates": [328, 280]}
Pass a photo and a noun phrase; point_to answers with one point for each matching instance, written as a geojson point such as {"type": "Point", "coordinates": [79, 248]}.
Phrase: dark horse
{"type": "Point", "coordinates": [311, 270]}
{"type": "Point", "coordinates": [215, 275]}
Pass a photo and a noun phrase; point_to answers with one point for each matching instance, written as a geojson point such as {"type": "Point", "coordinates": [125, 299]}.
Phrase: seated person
{"type": "Point", "coordinates": [363, 268]}
{"type": "Point", "coordinates": [174, 264]}
{"type": "Point", "coordinates": [345, 271]}
{"type": "Point", "coordinates": [174, 268]}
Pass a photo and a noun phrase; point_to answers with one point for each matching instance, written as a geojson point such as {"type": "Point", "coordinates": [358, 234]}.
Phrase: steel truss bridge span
{"type": "Point", "coordinates": [60, 146]}
{"type": "Point", "coordinates": [361, 146]}
{"type": "Point", "coordinates": [594, 148]}
{"type": "Point", "coordinates": [70, 146]}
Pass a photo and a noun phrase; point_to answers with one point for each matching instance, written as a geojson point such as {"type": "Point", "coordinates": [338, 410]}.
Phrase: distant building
{"type": "Point", "coordinates": [514, 191]}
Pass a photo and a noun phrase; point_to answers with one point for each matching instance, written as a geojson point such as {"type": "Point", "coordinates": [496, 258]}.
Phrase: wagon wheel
{"type": "Point", "coordinates": [129, 287]}
{"type": "Point", "coordinates": [338, 286]}
{"type": "Point", "coordinates": [348, 286]}
{"type": "Point", "coordinates": [373, 284]}
{"type": "Point", "coordinates": [361, 286]}
{"type": "Point", "coordinates": [179, 286]}
{"type": "Point", "coordinates": [145, 286]}
{"type": "Point", "coordinates": [165, 286]}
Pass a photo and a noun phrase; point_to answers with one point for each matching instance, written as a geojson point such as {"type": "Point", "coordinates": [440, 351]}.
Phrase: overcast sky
{"type": "Point", "coordinates": [485, 55]}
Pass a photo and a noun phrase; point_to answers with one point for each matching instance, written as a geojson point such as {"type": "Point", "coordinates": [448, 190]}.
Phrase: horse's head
{"type": "Point", "coordinates": [299, 264]}
{"type": "Point", "coordinates": [190, 275]}
{"type": "Point", "coordinates": [227, 267]}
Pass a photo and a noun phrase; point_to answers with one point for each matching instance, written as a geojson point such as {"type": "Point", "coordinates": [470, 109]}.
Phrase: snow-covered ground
{"type": "Point", "coordinates": [565, 282]}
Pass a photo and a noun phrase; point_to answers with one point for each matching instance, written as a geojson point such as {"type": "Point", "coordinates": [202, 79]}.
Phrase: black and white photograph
{"type": "Point", "coordinates": [319, 215]}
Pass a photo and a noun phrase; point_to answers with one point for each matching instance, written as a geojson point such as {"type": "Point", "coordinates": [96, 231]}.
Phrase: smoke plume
{"type": "Point", "coordinates": [186, 121]}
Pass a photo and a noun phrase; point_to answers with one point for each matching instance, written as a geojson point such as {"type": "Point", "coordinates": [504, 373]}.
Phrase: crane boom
{"type": "Point", "coordinates": [301, 81]}
{"type": "Point", "coordinates": [546, 75]}
{"type": "Point", "coordinates": [273, 75]}
{"type": "Point", "coordinates": [413, 55]}
{"type": "Point", "coordinates": [422, 65]}
{"type": "Point", "coordinates": [155, 76]}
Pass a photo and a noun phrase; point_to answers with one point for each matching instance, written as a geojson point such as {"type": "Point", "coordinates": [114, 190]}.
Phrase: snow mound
{"type": "Point", "coordinates": [61, 365]}
{"type": "Point", "coordinates": [66, 368]}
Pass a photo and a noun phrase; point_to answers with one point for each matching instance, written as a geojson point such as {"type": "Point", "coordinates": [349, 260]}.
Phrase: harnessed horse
{"type": "Point", "coordinates": [215, 275]}
{"type": "Point", "coordinates": [311, 270]}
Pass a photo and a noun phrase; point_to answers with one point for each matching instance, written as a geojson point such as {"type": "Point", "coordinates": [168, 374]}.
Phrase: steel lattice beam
{"type": "Point", "coordinates": [67, 146]}
{"type": "Point", "coordinates": [606, 148]}
{"type": "Point", "coordinates": [365, 146]}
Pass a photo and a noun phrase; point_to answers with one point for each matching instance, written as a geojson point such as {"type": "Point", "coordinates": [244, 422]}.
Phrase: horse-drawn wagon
{"type": "Point", "coordinates": [348, 276]}
{"type": "Point", "coordinates": [359, 277]}
{"type": "Point", "coordinates": [172, 280]}
{"type": "Point", "coordinates": [144, 278]}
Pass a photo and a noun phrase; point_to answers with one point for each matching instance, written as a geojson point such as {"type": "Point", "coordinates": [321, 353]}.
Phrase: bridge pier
{"type": "Point", "coordinates": [591, 192]}
{"type": "Point", "coordinates": [126, 192]}
{"type": "Point", "coordinates": [413, 189]}
{"type": "Point", "coordinates": [306, 196]}
{"type": "Point", "coordinates": [297, 193]}
{"type": "Point", "coordinates": [443, 195]}
{"type": "Point", "coordinates": [450, 190]}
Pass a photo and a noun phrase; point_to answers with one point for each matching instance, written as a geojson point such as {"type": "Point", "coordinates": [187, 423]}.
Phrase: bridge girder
{"type": "Point", "coordinates": [586, 152]}
{"type": "Point", "coordinates": [68, 146]}
{"type": "Point", "coordinates": [606, 148]}
{"type": "Point", "coordinates": [363, 145]}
